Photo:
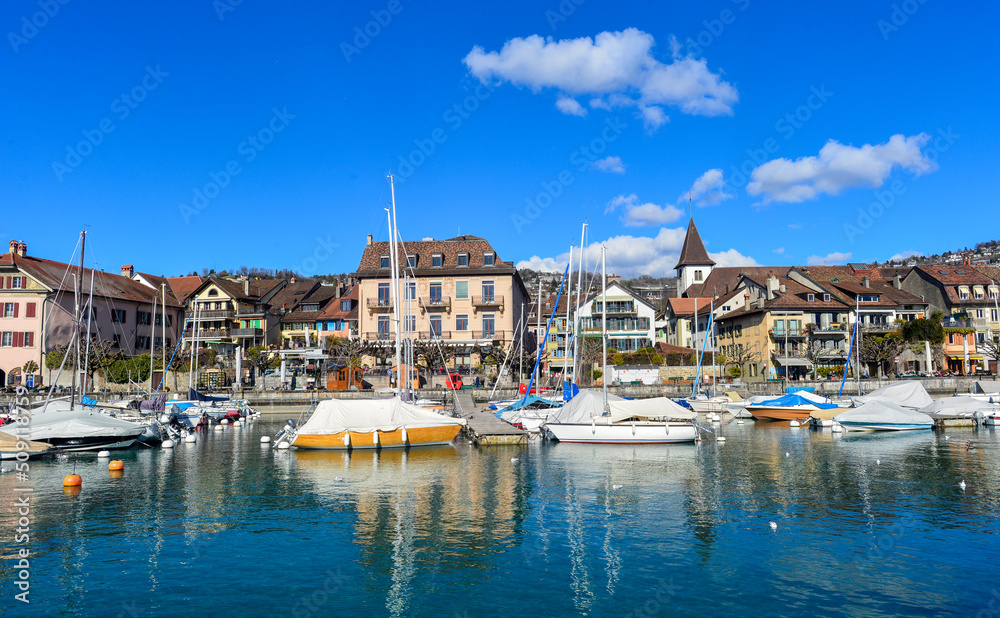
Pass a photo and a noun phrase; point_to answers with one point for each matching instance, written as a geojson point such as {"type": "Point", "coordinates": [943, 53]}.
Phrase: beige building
{"type": "Point", "coordinates": [457, 292]}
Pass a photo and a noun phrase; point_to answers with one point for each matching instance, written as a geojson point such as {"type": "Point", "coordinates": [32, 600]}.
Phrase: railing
{"type": "Point", "coordinates": [248, 332]}
{"type": "Point", "coordinates": [488, 334]}
{"type": "Point", "coordinates": [378, 337]}
{"type": "Point", "coordinates": [214, 332]}
{"type": "Point", "coordinates": [432, 335]}
{"type": "Point", "coordinates": [878, 328]}
{"type": "Point", "coordinates": [436, 302]}
{"type": "Point", "coordinates": [786, 333]}
{"type": "Point", "coordinates": [215, 315]}
{"type": "Point", "coordinates": [379, 304]}
{"type": "Point", "coordinates": [831, 329]}
{"type": "Point", "coordinates": [487, 301]}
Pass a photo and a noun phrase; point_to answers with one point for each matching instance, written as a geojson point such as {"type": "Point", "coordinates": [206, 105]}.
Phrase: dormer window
{"type": "Point", "coordinates": [810, 297]}
{"type": "Point", "coordinates": [411, 261]}
{"type": "Point", "coordinates": [345, 305]}
{"type": "Point", "coordinates": [697, 275]}
{"type": "Point", "coordinates": [826, 298]}
{"type": "Point", "coordinates": [963, 292]}
{"type": "Point", "coordinates": [437, 260]}
{"type": "Point", "coordinates": [463, 259]}
{"type": "Point", "coordinates": [488, 258]}
{"type": "Point", "coordinates": [978, 292]}
{"type": "Point", "coordinates": [383, 262]}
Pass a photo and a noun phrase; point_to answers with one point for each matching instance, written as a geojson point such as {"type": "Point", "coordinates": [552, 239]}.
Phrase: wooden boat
{"type": "Point", "coordinates": [9, 447]}
{"type": "Point", "coordinates": [344, 424]}
{"type": "Point", "coordinates": [791, 407]}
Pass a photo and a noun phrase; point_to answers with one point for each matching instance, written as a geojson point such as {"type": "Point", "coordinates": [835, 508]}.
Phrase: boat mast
{"type": "Point", "coordinates": [857, 313]}
{"type": "Point", "coordinates": [715, 339]}
{"type": "Point", "coordinates": [152, 345]}
{"type": "Point", "coordinates": [394, 259]}
{"type": "Point", "coordinates": [76, 315]}
{"type": "Point", "coordinates": [566, 335]}
{"type": "Point", "coordinates": [695, 341]}
{"type": "Point", "coordinates": [579, 289]}
{"type": "Point", "coordinates": [86, 357]}
{"type": "Point", "coordinates": [163, 320]}
{"type": "Point", "coordinates": [520, 362]}
{"type": "Point", "coordinates": [604, 327]}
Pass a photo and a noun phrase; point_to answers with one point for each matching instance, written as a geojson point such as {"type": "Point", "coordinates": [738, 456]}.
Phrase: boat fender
{"type": "Point", "coordinates": [347, 439]}
{"type": "Point", "coordinates": [404, 436]}
{"type": "Point", "coordinates": [633, 427]}
{"type": "Point", "coordinates": [593, 425]}
{"type": "Point", "coordinates": [666, 427]}
{"type": "Point", "coordinates": [375, 437]}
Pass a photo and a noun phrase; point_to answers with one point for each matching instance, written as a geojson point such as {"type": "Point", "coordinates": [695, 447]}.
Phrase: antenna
{"type": "Point", "coordinates": [690, 203]}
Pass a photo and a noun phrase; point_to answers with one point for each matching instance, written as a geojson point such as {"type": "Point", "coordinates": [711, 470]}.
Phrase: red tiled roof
{"type": "Point", "coordinates": [685, 307]}
{"type": "Point", "coordinates": [333, 310]}
{"type": "Point", "coordinates": [183, 287]}
{"type": "Point", "coordinates": [424, 251]}
{"type": "Point", "coordinates": [669, 348]}
{"type": "Point", "coordinates": [723, 279]}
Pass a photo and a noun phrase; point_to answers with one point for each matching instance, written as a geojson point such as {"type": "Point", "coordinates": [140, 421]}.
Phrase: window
{"type": "Point", "coordinates": [213, 292]}
{"type": "Point", "coordinates": [488, 291]}
{"type": "Point", "coordinates": [963, 292]}
{"type": "Point", "coordinates": [17, 283]}
{"type": "Point", "coordinates": [697, 275]}
{"type": "Point", "coordinates": [488, 259]}
{"type": "Point", "coordinates": [169, 321]}
{"type": "Point", "coordinates": [489, 325]}
{"type": "Point", "coordinates": [462, 322]}
{"type": "Point", "coordinates": [29, 340]}
{"type": "Point", "coordinates": [868, 298]}
{"type": "Point", "coordinates": [29, 310]}
{"type": "Point", "coordinates": [411, 261]}
{"type": "Point", "coordinates": [410, 291]}
{"type": "Point", "coordinates": [437, 260]}
{"type": "Point", "coordinates": [978, 292]}
{"type": "Point", "coordinates": [383, 327]}
{"type": "Point", "coordinates": [410, 323]}
{"type": "Point", "coordinates": [463, 259]}
{"type": "Point", "coordinates": [980, 313]}
{"type": "Point", "coordinates": [7, 339]}
{"type": "Point", "coordinates": [435, 288]}
{"type": "Point", "coordinates": [383, 262]}
{"type": "Point", "coordinates": [142, 318]}
{"type": "Point", "coordinates": [345, 305]}
{"type": "Point", "coordinates": [435, 326]}
{"type": "Point", "coordinates": [158, 342]}
{"type": "Point", "coordinates": [118, 316]}
{"type": "Point", "coordinates": [993, 292]}
{"type": "Point", "coordinates": [10, 310]}
{"type": "Point", "coordinates": [810, 297]}
{"type": "Point", "coordinates": [383, 295]}
{"type": "Point", "coordinates": [826, 298]}
{"type": "Point", "coordinates": [462, 289]}
{"type": "Point", "coordinates": [141, 342]}
{"type": "Point", "coordinates": [310, 307]}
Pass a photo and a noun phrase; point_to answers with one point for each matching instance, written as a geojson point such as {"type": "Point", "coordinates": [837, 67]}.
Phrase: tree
{"type": "Point", "coordinates": [923, 330]}
{"type": "Point", "coordinates": [991, 350]}
{"type": "Point", "coordinates": [742, 355]}
{"type": "Point", "coordinates": [881, 351]}
{"type": "Point", "coordinates": [348, 352]}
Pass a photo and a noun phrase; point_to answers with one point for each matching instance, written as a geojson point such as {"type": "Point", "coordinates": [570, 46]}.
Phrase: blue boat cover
{"type": "Point", "coordinates": [794, 400]}
{"type": "Point", "coordinates": [87, 401]}
{"type": "Point", "coordinates": [194, 395]}
{"type": "Point", "coordinates": [570, 390]}
{"type": "Point", "coordinates": [529, 402]}
{"type": "Point", "coordinates": [794, 389]}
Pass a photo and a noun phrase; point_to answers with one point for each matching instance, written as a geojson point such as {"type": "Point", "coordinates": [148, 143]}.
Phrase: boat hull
{"type": "Point", "coordinates": [623, 433]}
{"type": "Point", "coordinates": [860, 426]}
{"type": "Point", "coordinates": [415, 436]}
{"type": "Point", "coordinates": [98, 443]}
{"type": "Point", "coordinates": [709, 406]}
{"type": "Point", "coordinates": [764, 413]}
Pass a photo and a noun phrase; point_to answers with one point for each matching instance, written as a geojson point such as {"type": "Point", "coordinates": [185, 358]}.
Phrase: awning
{"type": "Point", "coordinates": [792, 362]}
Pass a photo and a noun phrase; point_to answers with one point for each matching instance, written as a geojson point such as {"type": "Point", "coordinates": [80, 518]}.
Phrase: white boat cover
{"type": "Point", "coordinates": [656, 407]}
{"type": "Point", "coordinates": [86, 423]}
{"type": "Point", "coordinates": [909, 394]}
{"type": "Point", "coordinates": [958, 406]}
{"type": "Point", "coordinates": [813, 397]}
{"type": "Point", "coordinates": [367, 415]}
{"type": "Point", "coordinates": [883, 413]}
{"type": "Point", "coordinates": [582, 407]}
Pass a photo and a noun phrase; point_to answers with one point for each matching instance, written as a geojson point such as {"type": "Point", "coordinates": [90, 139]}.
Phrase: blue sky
{"type": "Point", "coordinates": [201, 134]}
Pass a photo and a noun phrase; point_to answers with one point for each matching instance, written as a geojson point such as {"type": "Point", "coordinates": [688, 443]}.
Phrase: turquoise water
{"type": "Point", "coordinates": [866, 525]}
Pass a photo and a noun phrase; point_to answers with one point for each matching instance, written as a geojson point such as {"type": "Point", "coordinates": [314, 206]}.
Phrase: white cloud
{"type": "Point", "coordinates": [780, 250]}
{"type": "Point", "coordinates": [839, 167]}
{"type": "Point", "coordinates": [647, 214]}
{"type": "Point", "coordinates": [609, 164]}
{"type": "Point", "coordinates": [615, 69]}
{"type": "Point", "coordinates": [829, 259]}
{"type": "Point", "coordinates": [905, 255]}
{"type": "Point", "coordinates": [795, 226]}
{"type": "Point", "coordinates": [631, 256]}
{"type": "Point", "coordinates": [570, 106]}
{"type": "Point", "coordinates": [708, 189]}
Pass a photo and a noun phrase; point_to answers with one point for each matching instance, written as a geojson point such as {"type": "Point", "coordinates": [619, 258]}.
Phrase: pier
{"type": "Point", "coordinates": [483, 427]}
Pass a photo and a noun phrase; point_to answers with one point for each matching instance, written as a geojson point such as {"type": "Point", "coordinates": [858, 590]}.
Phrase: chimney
{"type": "Point", "coordinates": [866, 282]}
{"type": "Point", "coordinates": [13, 246]}
{"type": "Point", "coordinates": [127, 271]}
{"type": "Point", "coordinates": [369, 243]}
{"type": "Point", "coordinates": [246, 286]}
{"type": "Point", "coordinates": [22, 248]}
{"type": "Point", "coordinates": [897, 282]}
{"type": "Point", "coordinates": [771, 283]}
{"type": "Point", "coordinates": [781, 288]}
{"type": "Point", "coordinates": [292, 280]}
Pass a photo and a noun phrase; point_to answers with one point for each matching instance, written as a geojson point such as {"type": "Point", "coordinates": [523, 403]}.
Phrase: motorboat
{"type": "Point", "coordinates": [960, 411]}
{"type": "Point", "coordinates": [344, 424]}
{"type": "Point", "coordinates": [81, 428]}
{"type": "Point", "coordinates": [883, 416]}
{"type": "Point", "coordinates": [528, 413]}
{"type": "Point", "coordinates": [792, 407]}
{"type": "Point", "coordinates": [644, 421]}
{"type": "Point", "coordinates": [910, 394]}
{"type": "Point", "coordinates": [708, 405]}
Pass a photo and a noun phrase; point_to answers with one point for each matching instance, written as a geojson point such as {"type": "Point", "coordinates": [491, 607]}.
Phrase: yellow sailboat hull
{"type": "Point", "coordinates": [415, 436]}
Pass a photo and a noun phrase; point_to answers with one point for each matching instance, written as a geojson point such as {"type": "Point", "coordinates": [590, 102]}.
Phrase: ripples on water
{"type": "Point", "coordinates": [226, 526]}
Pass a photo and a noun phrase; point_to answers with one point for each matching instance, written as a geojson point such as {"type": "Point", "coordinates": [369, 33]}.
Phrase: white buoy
{"type": "Point", "coordinates": [347, 438]}
{"type": "Point", "coordinates": [773, 525]}
{"type": "Point", "coordinates": [224, 421]}
{"type": "Point", "coordinates": [616, 487]}
{"type": "Point", "coordinates": [337, 478]}
{"type": "Point", "coordinates": [513, 460]}
{"type": "Point", "coordinates": [218, 428]}
{"type": "Point", "coordinates": [104, 454]}
{"type": "Point", "coordinates": [795, 424]}
{"type": "Point", "coordinates": [375, 437]}
{"type": "Point", "coordinates": [878, 462]}
{"type": "Point", "coordinates": [282, 445]}
{"type": "Point", "coordinates": [739, 421]}
{"type": "Point", "coordinates": [721, 439]}
{"type": "Point", "coordinates": [168, 444]}
{"type": "Point", "coordinates": [265, 439]}
{"type": "Point", "coordinates": [962, 484]}
{"type": "Point", "coordinates": [190, 438]}
{"type": "Point", "coordinates": [787, 454]}
{"type": "Point", "coordinates": [838, 428]}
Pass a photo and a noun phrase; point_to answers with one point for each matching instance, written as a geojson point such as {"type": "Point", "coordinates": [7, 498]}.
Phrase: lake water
{"type": "Point", "coordinates": [873, 525]}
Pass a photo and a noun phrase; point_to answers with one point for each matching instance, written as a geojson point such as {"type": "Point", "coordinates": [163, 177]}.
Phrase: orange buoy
{"type": "Point", "coordinates": [116, 464]}
{"type": "Point", "coordinates": [73, 480]}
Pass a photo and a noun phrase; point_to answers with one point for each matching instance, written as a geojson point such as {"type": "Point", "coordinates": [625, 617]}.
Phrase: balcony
{"type": "Point", "coordinates": [215, 315]}
{"type": "Point", "coordinates": [379, 305]}
{"type": "Point", "coordinates": [782, 333]}
{"type": "Point", "coordinates": [214, 333]}
{"type": "Point", "coordinates": [830, 329]}
{"type": "Point", "coordinates": [248, 332]}
{"type": "Point", "coordinates": [433, 336]}
{"type": "Point", "coordinates": [486, 302]}
{"type": "Point", "coordinates": [437, 303]}
{"type": "Point", "coordinates": [878, 328]}
{"type": "Point", "coordinates": [378, 337]}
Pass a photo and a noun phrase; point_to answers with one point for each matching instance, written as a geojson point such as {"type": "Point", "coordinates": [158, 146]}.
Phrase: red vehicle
{"type": "Point", "coordinates": [454, 382]}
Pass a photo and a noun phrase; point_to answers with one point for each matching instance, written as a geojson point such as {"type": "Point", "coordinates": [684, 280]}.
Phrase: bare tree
{"type": "Point", "coordinates": [742, 355]}
{"type": "Point", "coordinates": [991, 350]}
{"type": "Point", "coordinates": [349, 352]}
{"type": "Point", "coordinates": [880, 351]}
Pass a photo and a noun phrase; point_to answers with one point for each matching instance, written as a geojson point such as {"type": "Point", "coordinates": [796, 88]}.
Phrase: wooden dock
{"type": "Point", "coordinates": [484, 428]}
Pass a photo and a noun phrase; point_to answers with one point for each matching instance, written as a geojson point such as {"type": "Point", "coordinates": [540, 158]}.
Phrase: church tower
{"type": "Point", "coordinates": [694, 264]}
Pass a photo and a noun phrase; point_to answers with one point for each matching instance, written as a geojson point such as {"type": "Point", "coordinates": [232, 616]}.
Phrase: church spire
{"type": "Point", "coordinates": [693, 252]}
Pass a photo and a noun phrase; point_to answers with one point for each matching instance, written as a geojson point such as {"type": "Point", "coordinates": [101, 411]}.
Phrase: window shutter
{"type": "Point", "coordinates": [18, 340]}
{"type": "Point", "coordinates": [9, 281]}
{"type": "Point", "coordinates": [29, 310]}
{"type": "Point", "coordinates": [15, 309]}
{"type": "Point", "coordinates": [461, 289]}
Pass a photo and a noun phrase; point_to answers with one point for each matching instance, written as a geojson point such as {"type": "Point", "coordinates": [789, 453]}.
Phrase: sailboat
{"type": "Point", "coordinates": [344, 424]}
{"type": "Point", "coordinates": [612, 420]}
